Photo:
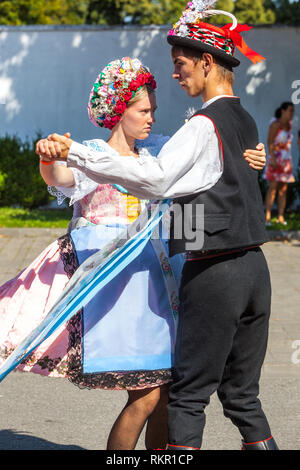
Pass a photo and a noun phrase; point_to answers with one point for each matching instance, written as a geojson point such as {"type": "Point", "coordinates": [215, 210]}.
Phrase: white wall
{"type": "Point", "coordinates": [46, 74]}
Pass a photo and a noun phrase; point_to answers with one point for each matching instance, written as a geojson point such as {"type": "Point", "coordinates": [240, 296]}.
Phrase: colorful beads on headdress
{"type": "Point", "coordinates": [115, 86]}
{"type": "Point", "coordinates": [193, 13]}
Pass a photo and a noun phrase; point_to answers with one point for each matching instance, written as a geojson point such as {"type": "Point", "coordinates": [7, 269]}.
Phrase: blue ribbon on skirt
{"type": "Point", "coordinates": [98, 270]}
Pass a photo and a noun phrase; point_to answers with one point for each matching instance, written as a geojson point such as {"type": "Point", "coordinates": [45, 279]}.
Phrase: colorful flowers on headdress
{"type": "Point", "coordinates": [115, 86]}
{"type": "Point", "coordinates": [193, 13]}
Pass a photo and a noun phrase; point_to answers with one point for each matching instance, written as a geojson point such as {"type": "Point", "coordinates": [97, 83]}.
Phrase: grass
{"type": "Point", "coordinates": [59, 218]}
{"type": "Point", "coordinates": [292, 219]}
{"type": "Point", "coordinates": [43, 218]}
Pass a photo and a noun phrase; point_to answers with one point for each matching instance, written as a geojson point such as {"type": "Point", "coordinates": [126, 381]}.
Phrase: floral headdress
{"type": "Point", "coordinates": [191, 32]}
{"type": "Point", "coordinates": [115, 86]}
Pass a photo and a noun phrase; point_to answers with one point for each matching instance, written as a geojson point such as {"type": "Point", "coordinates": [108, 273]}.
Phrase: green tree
{"type": "Point", "coordinates": [20, 179]}
{"type": "Point", "coordinates": [135, 12]}
{"type": "Point", "coordinates": [19, 12]}
{"type": "Point", "coordinates": [105, 12]}
{"type": "Point", "coordinates": [253, 12]}
{"type": "Point", "coordinates": [225, 5]}
{"type": "Point", "coordinates": [22, 12]}
{"type": "Point", "coordinates": [287, 12]}
{"type": "Point", "coordinates": [169, 11]}
{"type": "Point", "coordinates": [156, 12]}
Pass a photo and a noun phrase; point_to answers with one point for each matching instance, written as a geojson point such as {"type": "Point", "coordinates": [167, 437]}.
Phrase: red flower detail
{"type": "Point", "coordinates": [110, 123]}
{"type": "Point", "coordinates": [141, 80]}
{"type": "Point", "coordinates": [114, 120]}
{"type": "Point", "coordinates": [127, 95]}
{"type": "Point", "coordinates": [152, 83]}
{"type": "Point", "coordinates": [120, 108]}
{"type": "Point", "coordinates": [134, 85]}
{"type": "Point", "coordinates": [118, 84]}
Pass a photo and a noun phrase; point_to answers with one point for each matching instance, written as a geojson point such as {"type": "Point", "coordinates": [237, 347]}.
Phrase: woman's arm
{"type": "Point", "coordinates": [273, 129]}
{"type": "Point", "coordinates": [57, 175]}
{"type": "Point", "coordinates": [53, 173]}
{"type": "Point", "coordinates": [182, 167]}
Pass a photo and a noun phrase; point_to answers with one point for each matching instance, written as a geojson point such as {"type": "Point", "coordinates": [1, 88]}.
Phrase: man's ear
{"type": "Point", "coordinates": [207, 62]}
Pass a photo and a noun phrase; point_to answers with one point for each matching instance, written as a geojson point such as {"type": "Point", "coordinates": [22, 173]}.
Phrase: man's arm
{"type": "Point", "coordinates": [189, 163]}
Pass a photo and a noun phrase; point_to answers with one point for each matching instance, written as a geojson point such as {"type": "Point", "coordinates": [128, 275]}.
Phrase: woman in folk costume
{"type": "Point", "coordinates": [131, 324]}
{"type": "Point", "coordinates": [124, 337]}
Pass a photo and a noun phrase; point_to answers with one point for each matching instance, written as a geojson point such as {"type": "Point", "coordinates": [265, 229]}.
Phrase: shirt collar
{"type": "Point", "coordinates": [215, 98]}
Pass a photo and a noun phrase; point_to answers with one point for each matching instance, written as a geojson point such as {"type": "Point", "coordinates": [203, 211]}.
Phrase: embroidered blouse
{"type": "Point", "coordinates": [104, 203]}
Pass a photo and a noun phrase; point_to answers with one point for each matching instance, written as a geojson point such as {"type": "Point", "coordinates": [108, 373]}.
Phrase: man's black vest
{"type": "Point", "coordinates": [233, 209]}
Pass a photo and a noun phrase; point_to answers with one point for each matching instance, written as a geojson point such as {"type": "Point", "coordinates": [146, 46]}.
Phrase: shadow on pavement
{"type": "Point", "coordinates": [13, 440]}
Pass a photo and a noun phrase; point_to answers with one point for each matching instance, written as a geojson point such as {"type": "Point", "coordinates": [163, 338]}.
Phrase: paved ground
{"type": "Point", "coordinates": [41, 413]}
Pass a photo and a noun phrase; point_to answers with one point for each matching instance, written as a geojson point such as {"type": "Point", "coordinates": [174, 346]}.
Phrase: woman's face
{"type": "Point", "coordinates": [137, 120]}
{"type": "Point", "coordinates": [288, 113]}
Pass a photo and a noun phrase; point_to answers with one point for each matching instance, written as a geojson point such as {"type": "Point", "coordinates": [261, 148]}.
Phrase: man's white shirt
{"type": "Point", "coordinates": [189, 163]}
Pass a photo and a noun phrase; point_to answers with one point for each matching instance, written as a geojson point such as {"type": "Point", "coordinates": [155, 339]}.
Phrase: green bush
{"type": "Point", "coordinates": [20, 180]}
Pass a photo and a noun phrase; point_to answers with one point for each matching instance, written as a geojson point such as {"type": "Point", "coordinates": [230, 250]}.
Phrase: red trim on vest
{"type": "Point", "coordinates": [217, 132]}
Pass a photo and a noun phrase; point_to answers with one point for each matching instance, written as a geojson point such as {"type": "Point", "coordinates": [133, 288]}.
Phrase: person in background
{"type": "Point", "coordinates": [279, 168]}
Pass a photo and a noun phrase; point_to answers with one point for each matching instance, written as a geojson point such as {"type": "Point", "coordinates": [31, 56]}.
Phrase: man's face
{"type": "Point", "coordinates": [190, 74]}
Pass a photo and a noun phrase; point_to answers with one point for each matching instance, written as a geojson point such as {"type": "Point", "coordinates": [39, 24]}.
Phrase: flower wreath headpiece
{"type": "Point", "coordinates": [190, 31]}
{"type": "Point", "coordinates": [115, 86]}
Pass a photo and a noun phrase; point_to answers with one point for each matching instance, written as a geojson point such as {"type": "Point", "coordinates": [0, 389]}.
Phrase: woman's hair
{"type": "Point", "coordinates": [284, 106]}
{"type": "Point", "coordinates": [140, 94]}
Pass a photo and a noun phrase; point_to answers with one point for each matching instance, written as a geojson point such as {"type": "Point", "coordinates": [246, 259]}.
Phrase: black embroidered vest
{"type": "Point", "coordinates": [233, 209]}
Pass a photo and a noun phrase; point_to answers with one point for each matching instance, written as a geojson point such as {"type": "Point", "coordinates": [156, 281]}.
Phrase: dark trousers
{"type": "Point", "coordinates": [221, 345]}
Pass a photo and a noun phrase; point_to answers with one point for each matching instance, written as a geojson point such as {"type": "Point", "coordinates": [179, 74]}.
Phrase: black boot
{"type": "Point", "coordinates": [267, 444]}
{"type": "Point", "coordinates": [174, 447]}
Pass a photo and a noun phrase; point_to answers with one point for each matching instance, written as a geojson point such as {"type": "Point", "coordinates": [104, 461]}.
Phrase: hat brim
{"type": "Point", "coordinates": [225, 59]}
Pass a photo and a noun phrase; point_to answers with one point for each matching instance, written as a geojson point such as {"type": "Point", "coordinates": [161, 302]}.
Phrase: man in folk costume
{"type": "Point", "coordinates": [224, 316]}
{"type": "Point", "coordinates": [225, 289]}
